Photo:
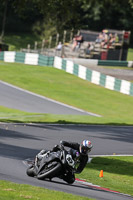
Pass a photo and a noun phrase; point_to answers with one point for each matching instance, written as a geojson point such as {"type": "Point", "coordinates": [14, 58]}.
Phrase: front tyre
{"type": "Point", "coordinates": [30, 171]}
{"type": "Point", "coordinates": [50, 170]}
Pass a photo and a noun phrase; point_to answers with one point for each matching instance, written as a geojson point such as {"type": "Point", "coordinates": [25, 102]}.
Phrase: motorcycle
{"type": "Point", "coordinates": [54, 164]}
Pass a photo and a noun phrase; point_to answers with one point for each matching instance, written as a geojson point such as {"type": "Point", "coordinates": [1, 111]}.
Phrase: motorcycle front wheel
{"type": "Point", "coordinates": [30, 171]}
{"type": "Point", "coordinates": [49, 171]}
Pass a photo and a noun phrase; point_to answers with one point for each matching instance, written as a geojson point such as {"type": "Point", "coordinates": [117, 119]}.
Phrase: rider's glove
{"type": "Point", "coordinates": [61, 142]}
{"type": "Point", "coordinates": [61, 145]}
{"type": "Point", "coordinates": [56, 148]}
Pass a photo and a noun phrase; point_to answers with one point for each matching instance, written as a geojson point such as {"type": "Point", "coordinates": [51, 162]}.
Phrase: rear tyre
{"type": "Point", "coordinates": [69, 178]}
{"type": "Point", "coordinates": [51, 170]}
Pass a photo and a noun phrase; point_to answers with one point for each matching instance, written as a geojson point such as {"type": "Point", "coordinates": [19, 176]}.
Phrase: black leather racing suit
{"type": "Point", "coordinates": [83, 158]}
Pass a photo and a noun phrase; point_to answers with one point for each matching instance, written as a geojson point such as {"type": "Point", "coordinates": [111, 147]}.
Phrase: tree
{"type": "Point", "coordinates": [107, 14]}
{"type": "Point", "coordinates": [60, 15]}
{"type": "Point", "coordinates": [4, 21]}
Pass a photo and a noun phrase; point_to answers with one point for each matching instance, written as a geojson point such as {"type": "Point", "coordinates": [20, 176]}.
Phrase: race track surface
{"type": "Point", "coordinates": [23, 141]}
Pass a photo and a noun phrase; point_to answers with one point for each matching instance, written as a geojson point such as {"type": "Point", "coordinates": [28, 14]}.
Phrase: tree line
{"type": "Point", "coordinates": [46, 17]}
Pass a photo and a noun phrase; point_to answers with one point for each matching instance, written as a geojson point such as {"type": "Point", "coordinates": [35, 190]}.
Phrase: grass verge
{"type": "Point", "coordinates": [15, 191]}
{"type": "Point", "coordinates": [117, 173]}
{"type": "Point", "coordinates": [130, 55]}
{"type": "Point", "coordinates": [114, 107]}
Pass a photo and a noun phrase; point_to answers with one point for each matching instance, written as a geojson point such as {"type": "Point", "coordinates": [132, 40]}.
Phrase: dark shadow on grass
{"type": "Point", "coordinates": [64, 122]}
{"type": "Point", "coordinates": [111, 165]}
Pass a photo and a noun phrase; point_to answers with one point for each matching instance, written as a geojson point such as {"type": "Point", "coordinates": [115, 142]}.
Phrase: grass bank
{"type": "Point", "coordinates": [114, 107]}
{"type": "Point", "coordinates": [117, 173]}
{"type": "Point", "coordinates": [15, 191]}
{"type": "Point", "coordinates": [130, 55]}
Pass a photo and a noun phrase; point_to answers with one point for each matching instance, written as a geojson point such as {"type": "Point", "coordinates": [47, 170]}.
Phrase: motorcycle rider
{"type": "Point", "coordinates": [76, 150]}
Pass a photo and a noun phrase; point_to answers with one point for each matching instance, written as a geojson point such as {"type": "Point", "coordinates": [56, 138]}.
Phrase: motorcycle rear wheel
{"type": "Point", "coordinates": [50, 172]}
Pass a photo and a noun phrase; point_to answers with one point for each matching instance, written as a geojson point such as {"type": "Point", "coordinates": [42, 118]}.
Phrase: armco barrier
{"type": "Point", "coordinates": [95, 77]}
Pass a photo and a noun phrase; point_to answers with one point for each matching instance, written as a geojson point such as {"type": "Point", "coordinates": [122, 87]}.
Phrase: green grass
{"type": "Point", "coordinates": [13, 191]}
{"type": "Point", "coordinates": [130, 55]}
{"type": "Point", "coordinates": [117, 173]}
{"type": "Point", "coordinates": [114, 107]}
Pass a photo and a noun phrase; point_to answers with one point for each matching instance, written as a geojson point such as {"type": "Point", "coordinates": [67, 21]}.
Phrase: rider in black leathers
{"type": "Point", "coordinates": [76, 150]}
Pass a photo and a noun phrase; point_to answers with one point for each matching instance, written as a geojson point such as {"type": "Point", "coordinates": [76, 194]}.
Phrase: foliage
{"type": "Point", "coordinates": [131, 3]}
{"type": "Point", "coordinates": [19, 41]}
{"type": "Point", "coordinates": [116, 17]}
{"type": "Point", "coordinates": [81, 14]}
{"type": "Point", "coordinates": [44, 30]}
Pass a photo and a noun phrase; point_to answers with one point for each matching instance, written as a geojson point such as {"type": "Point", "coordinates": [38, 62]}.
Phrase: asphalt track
{"type": "Point", "coordinates": [20, 142]}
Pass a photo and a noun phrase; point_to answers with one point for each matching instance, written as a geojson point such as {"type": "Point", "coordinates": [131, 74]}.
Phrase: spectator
{"type": "Point", "coordinates": [116, 38]}
{"type": "Point", "coordinates": [99, 38]}
{"type": "Point", "coordinates": [89, 48]}
{"type": "Point", "coordinates": [59, 46]}
{"type": "Point", "coordinates": [77, 40]}
{"type": "Point", "coordinates": [112, 39]}
{"type": "Point", "coordinates": [105, 38]}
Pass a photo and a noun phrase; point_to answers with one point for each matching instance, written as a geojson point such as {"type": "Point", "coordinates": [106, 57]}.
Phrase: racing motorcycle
{"type": "Point", "coordinates": [54, 164]}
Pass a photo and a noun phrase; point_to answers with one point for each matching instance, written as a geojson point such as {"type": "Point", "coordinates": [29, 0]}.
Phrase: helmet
{"type": "Point", "coordinates": [85, 147]}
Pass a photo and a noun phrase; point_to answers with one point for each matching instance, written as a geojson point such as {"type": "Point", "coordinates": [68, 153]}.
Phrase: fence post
{"type": "Point", "coordinates": [28, 48]}
{"type": "Point", "coordinates": [43, 43]}
{"type": "Point", "coordinates": [35, 45]}
{"type": "Point", "coordinates": [78, 32]}
{"type": "Point", "coordinates": [71, 35]}
{"type": "Point", "coordinates": [57, 39]}
{"type": "Point", "coordinates": [64, 37]}
{"type": "Point", "coordinates": [50, 40]}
